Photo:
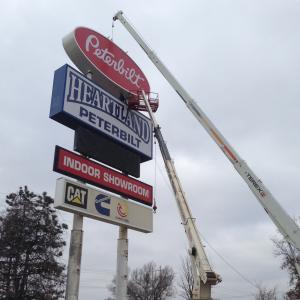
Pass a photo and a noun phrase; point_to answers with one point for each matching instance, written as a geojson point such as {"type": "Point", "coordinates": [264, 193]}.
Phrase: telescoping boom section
{"type": "Point", "coordinates": [285, 224]}
{"type": "Point", "coordinates": [204, 276]}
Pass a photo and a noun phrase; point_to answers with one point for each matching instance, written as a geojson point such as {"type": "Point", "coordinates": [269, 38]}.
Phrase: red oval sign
{"type": "Point", "coordinates": [92, 52]}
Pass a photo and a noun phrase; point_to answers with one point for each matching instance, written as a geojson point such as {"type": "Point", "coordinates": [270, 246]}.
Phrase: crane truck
{"type": "Point", "coordinates": [203, 275]}
{"type": "Point", "coordinates": [284, 223]}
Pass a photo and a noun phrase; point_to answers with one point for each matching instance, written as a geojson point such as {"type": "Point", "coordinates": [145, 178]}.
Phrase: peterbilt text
{"type": "Point", "coordinates": [92, 44]}
{"type": "Point", "coordinates": [84, 93]}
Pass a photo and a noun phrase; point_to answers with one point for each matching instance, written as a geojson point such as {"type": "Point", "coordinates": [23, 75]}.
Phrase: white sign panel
{"type": "Point", "coordinates": [79, 198]}
{"type": "Point", "coordinates": [76, 101]}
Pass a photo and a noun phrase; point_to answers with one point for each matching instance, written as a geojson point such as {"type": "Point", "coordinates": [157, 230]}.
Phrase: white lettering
{"type": "Point", "coordinates": [97, 173]}
{"type": "Point", "coordinates": [69, 162]}
{"type": "Point", "coordinates": [105, 175]}
{"type": "Point", "coordinates": [91, 40]}
{"type": "Point", "coordinates": [135, 188]}
{"type": "Point", "coordinates": [126, 185]}
{"type": "Point", "coordinates": [84, 168]}
{"type": "Point", "coordinates": [77, 165]}
{"type": "Point", "coordinates": [83, 193]}
{"type": "Point", "coordinates": [108, 58]}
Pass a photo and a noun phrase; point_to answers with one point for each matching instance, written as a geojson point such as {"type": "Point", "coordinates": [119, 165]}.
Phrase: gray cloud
{"type": "Point", "coordinates": [239, 60]}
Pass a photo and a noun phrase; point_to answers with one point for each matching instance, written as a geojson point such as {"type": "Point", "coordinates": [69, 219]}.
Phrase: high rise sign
{"type": "Point", "coordinates": [112, 68]}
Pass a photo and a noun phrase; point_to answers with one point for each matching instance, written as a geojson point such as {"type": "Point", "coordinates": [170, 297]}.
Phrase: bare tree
{"type": "Point", "coordinates": [186, 283]}
{"type": "Point", "coordinates": [263, 293]}
{"type": "Point", "coordinates": [112, 288]}
{"type": "Point", "coordinates": [290, 257]}
{"type": "Point", "coordinates": [151, 282]}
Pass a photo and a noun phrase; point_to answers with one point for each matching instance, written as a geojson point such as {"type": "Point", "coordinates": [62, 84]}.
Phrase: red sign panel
{"type": "Point", "coordinates": [90, 50]}
{"type": "Point", "coordinates": [79, 167]}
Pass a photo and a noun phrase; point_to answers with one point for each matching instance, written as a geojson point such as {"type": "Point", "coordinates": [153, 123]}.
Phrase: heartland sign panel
{"type": "Point", "coordinates": [78, 198]}
{"type": "Point", "coordinates": [76, 166]}
{"type": "Point", "coordinates": [111, 67]}
{"type": "Point", "coordinates": [76, 101]}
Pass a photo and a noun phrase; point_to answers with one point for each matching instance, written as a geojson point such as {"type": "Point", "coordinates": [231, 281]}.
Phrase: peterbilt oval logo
{"type": "Point", "coordinates": [110, 66]}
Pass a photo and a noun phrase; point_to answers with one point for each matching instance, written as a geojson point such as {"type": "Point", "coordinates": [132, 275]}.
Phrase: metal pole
{"type": "Point", "coordinates": [122, 264]}
{"type": "Point", "coordinates": [74, 263]}
{"type": "Point", "coordinates": [73, 276]}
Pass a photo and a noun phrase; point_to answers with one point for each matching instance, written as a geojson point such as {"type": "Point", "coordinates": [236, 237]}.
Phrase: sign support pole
{"type": "Point", "coordinates": [74, 264]}
{"type": "Point", "coordinates": [122, 264]}
{"type": "Point", "coordinates": [73, 276]}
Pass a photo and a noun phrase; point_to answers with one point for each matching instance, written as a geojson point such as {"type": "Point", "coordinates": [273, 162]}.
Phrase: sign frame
{"type": "Point", "coordinates": [102, 206]}
{"type": "Point", "coordinates": [111, 67]}
{"type": "Point", "coordinates": [78, 101]}
{"type": "Point", "coordinates": [122, 184]}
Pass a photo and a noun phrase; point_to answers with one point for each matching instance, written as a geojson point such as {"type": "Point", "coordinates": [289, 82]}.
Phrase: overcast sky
{"type": "Point", "coordinates": [238, 59]}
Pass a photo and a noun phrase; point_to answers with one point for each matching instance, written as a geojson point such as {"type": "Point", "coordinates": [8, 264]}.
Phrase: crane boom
{"type": "Point", "coordinates": [203, 275]}
{"type": "Point", "coordinates": [285, 224]}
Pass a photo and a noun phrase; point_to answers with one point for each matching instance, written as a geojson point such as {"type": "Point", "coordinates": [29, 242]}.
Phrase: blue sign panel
{"type": "Point", "coordinates": [77, 101]}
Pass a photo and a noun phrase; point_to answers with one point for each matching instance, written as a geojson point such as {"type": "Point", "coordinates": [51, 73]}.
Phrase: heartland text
{"type": "Point", "coordinates": [84, 92]}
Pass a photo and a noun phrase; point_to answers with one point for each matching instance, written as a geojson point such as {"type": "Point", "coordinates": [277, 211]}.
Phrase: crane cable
{"type": "Point", "coordinates": [214, 250]}
{"type": "Point", "coordinates": [229, 264]}
{"type": "Point", "coordinates": [112, 30]}
{"type": "Point", "coordinates": [155, 177]}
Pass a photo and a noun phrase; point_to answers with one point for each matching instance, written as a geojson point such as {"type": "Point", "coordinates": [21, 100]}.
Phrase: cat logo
{"type": "Point", "coordinates": [76, 195]}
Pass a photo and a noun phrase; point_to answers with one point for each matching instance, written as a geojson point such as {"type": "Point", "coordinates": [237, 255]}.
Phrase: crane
{"type": "Point", "coordinates": [284, 223]}
{"type": "Point", "coordinates": [204, 276]}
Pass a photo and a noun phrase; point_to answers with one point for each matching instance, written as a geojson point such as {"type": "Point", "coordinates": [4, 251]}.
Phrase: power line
{"type": "Point", "coordinates": [233, 296]}
{"type": "Point", "coordinates": [229, 264]}
{"type": "Point", "coordinates": [93, 287]}
{"type": "Point", "coordinates": [231, 290]}
{"type": "Point", "coordinates": [217, 253]}
{"type": "Point", "coordinates": [164, 178]}
{"type": "Point", "coordinates": [104, 271]}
